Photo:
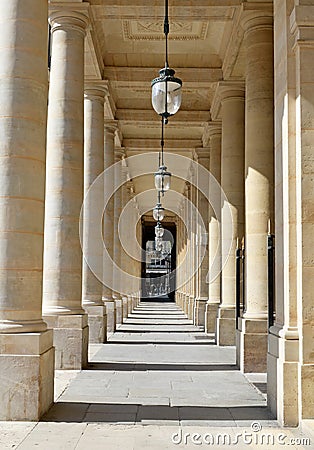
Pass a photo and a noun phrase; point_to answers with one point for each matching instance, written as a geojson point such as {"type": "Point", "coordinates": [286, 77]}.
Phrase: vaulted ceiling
{"type": "Point", "coordinates": [125, 45]}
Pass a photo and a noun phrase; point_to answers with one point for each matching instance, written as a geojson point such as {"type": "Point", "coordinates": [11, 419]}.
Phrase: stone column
{"type": "Point", "coordinates": [232, 183]}
{"type": "Point", "coordinates": [25, 343]}
{"type": "Point", "coordinates": [194, 247]}
{"type": "Point", "coordinates": [214, 244]}
{"type": "Point", "coordinates": [108, 224]}
{"type": "Point", "coordinates": [129, 194]}
{"type": "Point", "coordinates": [302, 27]}
{"type": "Point", "coordinates": [62, 290]}
{"type": "Point", "coordinates": [185, 265]}
{"type": "Point", "coordinates": [179, 259]}
{"type": "Point", "coordinates": [116, 240]}
{"type": "Point", "coordinates": [203, 208]}
{"type": "Point", "coordinates": [190, 247]}
{"type": "Point", "coordinates": [94, 98]}
{"type": "Point", "coordinates": [125, 259]}
{"type": "Point", "coordinates": [259, 150]}
{"type": "Point", "coordinates": [290, 344]}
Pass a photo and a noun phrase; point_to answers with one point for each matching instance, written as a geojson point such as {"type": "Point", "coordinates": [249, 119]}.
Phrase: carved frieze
{"type": "Point", "coordinates": [139, 30]}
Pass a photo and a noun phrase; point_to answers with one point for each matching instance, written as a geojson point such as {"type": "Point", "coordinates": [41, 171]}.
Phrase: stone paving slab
{"type": "Point", "coordinates": [155, 321]}
{"type": "Point", "coordinates": [147, 389]}
{"type": "Point", "coordinates": [155, 337]}
{"type": "Point", "coordinates": [159, 328]}
{"type": "Point", "coordinates": [52, 436]}
{"type": "Point", "coordinates": [13, 433]}
{"type": "Point", "coordinates": [100, 436]}
{"type": "Point", "coordinates": [158, 353]}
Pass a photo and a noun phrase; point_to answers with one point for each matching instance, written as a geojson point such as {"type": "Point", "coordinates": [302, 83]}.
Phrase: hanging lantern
{"type": "Point", "coordinates": [162, 179]}
{"type": "Point", "coordinates": [159, 230]}
{"type": "Point", "coordinates": [158, 212]}
{"type": "Point", "coordinates": [166, 93]}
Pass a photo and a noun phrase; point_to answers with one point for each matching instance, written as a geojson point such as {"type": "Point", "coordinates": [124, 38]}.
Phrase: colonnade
{"type": "Point", "coordinates": [52, 306]}
{"type": "Point", "coordinates": [258, 144]}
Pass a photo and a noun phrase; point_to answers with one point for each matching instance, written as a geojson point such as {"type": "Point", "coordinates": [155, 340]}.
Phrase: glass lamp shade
{"type": "Point", "coordinates": [162, 179]}
{"type": "Point", "coordinates": [159, 230]}
{"type": "Point", "coordinates": [158, 212]}
{"type": "Point", "coordinates": [166, 93]}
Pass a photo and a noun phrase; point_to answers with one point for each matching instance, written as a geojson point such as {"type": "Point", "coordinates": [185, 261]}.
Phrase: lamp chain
{"type": "Point", "coordinates": [166, 29]}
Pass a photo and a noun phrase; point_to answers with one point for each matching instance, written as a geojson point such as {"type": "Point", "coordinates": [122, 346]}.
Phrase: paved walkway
{"type": "Point", "coordinates": [157, 375]}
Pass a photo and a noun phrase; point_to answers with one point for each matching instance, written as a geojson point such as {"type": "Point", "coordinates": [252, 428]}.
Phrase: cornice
{"type": "Point", "coordinates": [302, 25]}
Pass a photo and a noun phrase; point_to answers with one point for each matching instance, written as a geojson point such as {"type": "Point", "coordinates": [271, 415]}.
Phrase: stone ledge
{"type": "Point", "coordinates": [26, 343]}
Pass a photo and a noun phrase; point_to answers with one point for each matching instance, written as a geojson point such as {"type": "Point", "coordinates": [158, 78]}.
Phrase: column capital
{"type": "Point", "coordinates": [119, 153]}
{"type": "Point", "coordinates": [69, 16]}
{"type": "Point", "coordinates": [256, 16]}
{"type": "Point", "coordinates": [187, 188]}
{"type": "Point", "coordinates": [111, 126]}
{"type": "Point", "coordinates": [130, 188]}
{"type": "Point", "coordinates": [211, 130]}
{"type": "Point", "coordinates": [96, 90]}
{"type": "Point", "coordinates": [202, 152]}
{"type": "Point", "coordinates": [226, 90]}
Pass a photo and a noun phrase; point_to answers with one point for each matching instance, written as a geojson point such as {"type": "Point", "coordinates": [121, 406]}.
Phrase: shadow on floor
{"type": "Point", "coordinates": [136, 413]}
{"type": "Point", "coordinates": [160, 367]}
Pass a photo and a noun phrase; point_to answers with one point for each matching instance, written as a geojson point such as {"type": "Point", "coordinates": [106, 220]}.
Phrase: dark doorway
{"type": "Point", "coordinates": [158, 266]}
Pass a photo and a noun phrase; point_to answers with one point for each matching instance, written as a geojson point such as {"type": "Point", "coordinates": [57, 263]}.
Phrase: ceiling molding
{"type": "Point", "coordinates": [194, 118]}
{"type": "Point", "coordinates": [146, 74]}
{"type": "Point", "coordinates": [201, 10]}
{"type": "Point", "coordinates": [148, 144]}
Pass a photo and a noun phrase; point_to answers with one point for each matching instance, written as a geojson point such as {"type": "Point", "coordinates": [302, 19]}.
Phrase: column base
{"type": "Point", "coordinates": [307, 377]}
{"type": "Point", "coordinates": [70, 339]}
{"type": "Point", "coordinates": [211, 312]}
{"type": "Point", "coordinates": [134, 302]}
{"type": "Point", "coordinates": [118, 308]}
{"type": "Point", "coordinates": [179, 299]}
{"type": "Point", "coordinates": [125, 308]}
{"type": "Point", "coordinates": [251, 342]}
{"type": "Point", "coordinates": [27, 375]}
{"type": "Point", "coordinates": [111, 317]}
{"type": "Point", "coordinates": [191, 307]}
{"type": "Point", "coordinates": [226, 326]}
{"type": "Point", "coordinates": [185, 303]}
{"type": "Point", "coordinates": [97, 323]}
{"type": "Point", "coordinates": [283, 378]}
{"type": "Point", "coordinates": [199, 311]}
{"type": "Point", "coordinates": [130, 306]}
